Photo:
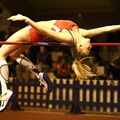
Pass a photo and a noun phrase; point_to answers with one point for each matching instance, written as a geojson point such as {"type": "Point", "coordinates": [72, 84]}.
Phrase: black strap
{"type": "Point", "coordinates": [72, 36]}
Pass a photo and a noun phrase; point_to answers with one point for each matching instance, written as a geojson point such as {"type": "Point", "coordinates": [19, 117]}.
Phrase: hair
{"type": "Point", "coordinates": [81, 70]}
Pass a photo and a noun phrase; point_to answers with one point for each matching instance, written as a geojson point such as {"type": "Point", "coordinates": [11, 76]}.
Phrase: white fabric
{"type": "Point", "coordinates": [56, 28]}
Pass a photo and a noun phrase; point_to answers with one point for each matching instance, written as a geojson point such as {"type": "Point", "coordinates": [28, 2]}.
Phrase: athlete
{"type": "Point", "coordinates": [65, 31]}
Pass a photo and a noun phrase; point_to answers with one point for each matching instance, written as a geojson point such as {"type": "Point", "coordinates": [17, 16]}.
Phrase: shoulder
{"type": "Point", "coordinates": [83, 32]}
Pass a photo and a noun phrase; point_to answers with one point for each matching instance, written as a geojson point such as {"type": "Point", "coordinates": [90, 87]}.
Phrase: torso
{"type": "Point", "coordinates": [56, 25]}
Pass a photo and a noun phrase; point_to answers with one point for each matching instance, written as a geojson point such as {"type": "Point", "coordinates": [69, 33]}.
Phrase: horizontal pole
{"type": "Point", "coordinates": [34, 43]}
{"type": "Point", "coordinates": [105, 44]}
{"type": "Point", "coordinates": [55, 43]}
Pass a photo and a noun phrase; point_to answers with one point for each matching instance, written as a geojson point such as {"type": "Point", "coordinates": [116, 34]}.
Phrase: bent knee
{"type": "Point", "coordinates": [14, 57]}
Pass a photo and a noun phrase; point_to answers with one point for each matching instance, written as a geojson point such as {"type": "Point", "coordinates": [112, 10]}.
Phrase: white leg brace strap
{"type": "Point", "coordinates": [27, 63]}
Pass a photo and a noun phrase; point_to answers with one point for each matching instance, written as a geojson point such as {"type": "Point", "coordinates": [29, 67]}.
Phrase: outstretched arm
{"type": "Point", "coordinates": [101, 30]}
{"type": "Point", "coordinates": [63, 36]}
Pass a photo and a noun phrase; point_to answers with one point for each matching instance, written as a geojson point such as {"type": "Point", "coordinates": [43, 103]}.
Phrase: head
{"type": "Point", "coordinates": [63, 60]}
{"type": "Point", "coordinates": [80, 51]}
{"type": "Point", "coordinates": [42, 49]}
{"type": "Point", "coordinates": [81, 44]}
{"type": "Point", "coordinates": [83, 47]}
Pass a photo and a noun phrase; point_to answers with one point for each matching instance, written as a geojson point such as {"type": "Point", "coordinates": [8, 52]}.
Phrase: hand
{"type": "Point", "coordinates": [18, 17]}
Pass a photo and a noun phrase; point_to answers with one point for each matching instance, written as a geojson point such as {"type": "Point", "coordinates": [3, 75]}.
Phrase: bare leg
{"type": "Point", "coordinates": [15, 51]}
{"type": "Point", "coordinates": [5, 51]}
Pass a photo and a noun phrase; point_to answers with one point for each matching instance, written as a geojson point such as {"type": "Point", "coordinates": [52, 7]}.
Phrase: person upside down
{"type": "Point", "coordinates": [65, 31]}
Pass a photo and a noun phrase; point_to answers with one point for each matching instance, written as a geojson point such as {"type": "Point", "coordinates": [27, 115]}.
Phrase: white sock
{"type": "Point", "coordinates": [41, 75]}
{"type": "Point", "coordinates": [4, 74]}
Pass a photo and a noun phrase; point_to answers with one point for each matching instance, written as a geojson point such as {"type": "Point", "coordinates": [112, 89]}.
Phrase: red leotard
{"type": "Point", "coordinates": [35, 35]}
{"type": "Point", "coordinates": [64, 24]}
{"type": "Point", "coordinates": [58, 26]}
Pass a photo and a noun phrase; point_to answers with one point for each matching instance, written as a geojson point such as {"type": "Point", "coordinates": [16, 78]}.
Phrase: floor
{"type": "Point", "coordinates": [48, 115]}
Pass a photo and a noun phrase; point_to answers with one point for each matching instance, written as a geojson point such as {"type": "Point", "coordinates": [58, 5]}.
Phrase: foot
{"type": "Point", "coordinates": [5, 100]}
{"type": "Point", "coordinates": [45, 80]}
